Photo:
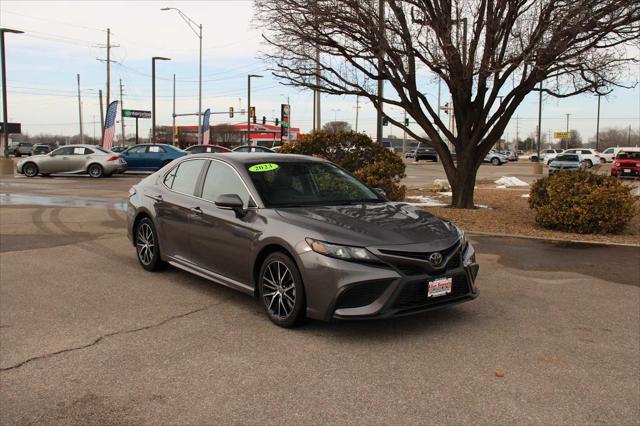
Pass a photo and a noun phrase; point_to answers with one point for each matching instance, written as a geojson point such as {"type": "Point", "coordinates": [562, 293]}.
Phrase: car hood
{"type": "Point", "coordinates": [374, 224]}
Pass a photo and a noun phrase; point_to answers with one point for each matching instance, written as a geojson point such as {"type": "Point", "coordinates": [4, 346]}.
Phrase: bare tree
{"type": "Point", "coordinates": [481, 49]}
{"type": "Point", "coordinates": [334, 127]}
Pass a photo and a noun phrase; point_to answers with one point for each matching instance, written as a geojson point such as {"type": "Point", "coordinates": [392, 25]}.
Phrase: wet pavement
{"type": "Point", "coordinates": [88, 336]}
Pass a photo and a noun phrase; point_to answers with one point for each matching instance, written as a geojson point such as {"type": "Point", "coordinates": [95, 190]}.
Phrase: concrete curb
{"type": "Point", "coordinates": [555, 240]}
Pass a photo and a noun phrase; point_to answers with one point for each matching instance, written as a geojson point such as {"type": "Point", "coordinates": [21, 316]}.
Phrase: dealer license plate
{"type": "Point", "coordinates": [439, 287]}
{"type": "Point", "coordinates": [627, 170]}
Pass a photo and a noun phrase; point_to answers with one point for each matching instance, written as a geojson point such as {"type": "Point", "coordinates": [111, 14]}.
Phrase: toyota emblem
{"type": "Point", "coordinates": [435, 259]}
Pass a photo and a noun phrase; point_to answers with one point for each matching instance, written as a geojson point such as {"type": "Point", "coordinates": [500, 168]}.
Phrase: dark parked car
{"type": "Point", "coordinates": [41, 149]}
{"type": "Point", "coordinates": [201, 149]}
{"type": "Point", "coordinates": [252, 148]}
{"type": "Point", "coordinates": [302, 235]}
{"type": "Point", "coordinates": [151, 157]}
{"type": "Point", "coordinates": [22, 148]}
{"type": "Point", "coordinates": [118, 148]}
{"type": "Point", "coordinates": [422, 153]}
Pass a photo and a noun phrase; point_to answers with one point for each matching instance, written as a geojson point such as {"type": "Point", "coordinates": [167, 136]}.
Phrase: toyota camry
{"type": "Point", "coordinates": [302, 235]}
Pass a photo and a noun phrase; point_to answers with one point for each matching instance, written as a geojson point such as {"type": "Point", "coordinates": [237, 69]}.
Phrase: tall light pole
{"type": "Point", "coordinates": [153, 95]}
{"type": "Point", "coordinates": [598, 124]}
{"type": "Point", "coordinates": [335, 113]}
{"type": "Point", "coordinates": [249, 106]}
{"type": "Point", "coordinates": [5, 118]}
{"type": "Point", "coordinates": [197, 29]}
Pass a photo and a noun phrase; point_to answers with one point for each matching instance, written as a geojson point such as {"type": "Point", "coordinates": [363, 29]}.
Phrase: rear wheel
{"type": "Point", "coordinates": [146, 240]}
{"type": "Point", "coordinates": [95, 171]}
{"type": "Point", "coordinates": [603, 161]}
{"type": "Point", "coordinates": [281, 290]}
{"type": "Point", "coordinates": [589, 163]}
{"type": "Point", "coordinates": [30, 170]}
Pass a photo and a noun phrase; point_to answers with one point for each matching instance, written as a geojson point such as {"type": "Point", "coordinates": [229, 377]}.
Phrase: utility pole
{"type": "Point", "coordinates": [381, 32]}
{"type": "Point", "coordinates": [515, 148]}
{"type": "Point", "coordinates": [357, 111]}
{"type": "Point", "coordinates": [173, 135]}
{"type": "Point", "coordinates": [318, 115]}
{"type": "Point", "coordinates": [80, 112]}
{"type": "Point", "coordinates": [124, 138]}
{"type": "Point", "coordinates": [404, 134]}
{"type": "Point", "coordinates": [539, 123]}
{"type": "Point", "coordinates": [629, 136]}
{"type": "Point", "coordinates": [94, 126]}
{"type": "Point", "coordinates": [108, 64]}
{"type": "Point", "coordinates": [101, 115]}
{"type": "Point", "coordinates": [5, 114]}
{"type": "Point", "coordinates": [249, 106]}
{"type": "Point", "coordinates": [598, 124]}
{"type": "Point", "coordinates": [153, 96]}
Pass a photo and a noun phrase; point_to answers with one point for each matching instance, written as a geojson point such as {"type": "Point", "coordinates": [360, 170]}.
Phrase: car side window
{"type": "Point", "coordinates": [67, 150]}
{"type": "Point", "coordinates": [186, 176]}
{"type": "Point", "coordinates": [137, 150]}
{"type": "Point", "coordinates": [608, 151]}
{"type": "Point", "coordinates": [155, 149]}
{"type": "Point", "coordinates": [222, 179]}
{"type": "Point", "coordinates": [196, 150]}
{"type": "Point", "coordinates": [87, 151]}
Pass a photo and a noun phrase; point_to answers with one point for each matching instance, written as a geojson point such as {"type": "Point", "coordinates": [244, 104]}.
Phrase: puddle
{"type": "Point", "coordinates": [59, 201]}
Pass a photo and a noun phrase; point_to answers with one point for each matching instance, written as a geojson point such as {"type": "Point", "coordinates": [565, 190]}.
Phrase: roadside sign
{"type": "Point", "coordinates": [562, 135]}
{"type": "Point", "coordinates": [14, 128]}
{"type": "Point", "coordinates": [134, 113]}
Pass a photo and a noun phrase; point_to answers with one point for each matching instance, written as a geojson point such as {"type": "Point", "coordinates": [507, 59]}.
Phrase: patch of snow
{"type": "Point", "coordinates": [525, 195]}
{"type": "Point", "coordinates": [510, 181]}
{"type": "Point", "coordinates": [636, 191]}
{"type": "Point", "coordinates": [422, 201]}
{"type": "Point", "coordinates": [440, 185]}
{"type": "Point", "coordinates": [446, 194]}
{"type": "Point", "coordinates": [501, 186]}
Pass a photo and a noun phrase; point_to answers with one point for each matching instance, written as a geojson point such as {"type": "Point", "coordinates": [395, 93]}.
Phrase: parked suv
{"type": "Point", "coordinates": [627, 163]}
{"type": "Point", "coordinates": [41, 149]}
{"type": "Point", "coordinates": [546, 155]}
{"type": "Point", "coordinates": [589, 156]}
{"type": "Point", "coordinates": [23, 148]}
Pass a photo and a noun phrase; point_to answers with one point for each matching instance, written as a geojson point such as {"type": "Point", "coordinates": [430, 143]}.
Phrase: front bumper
{"type": "Point", "coordinates": [342, 290]}
{"type": "Point", "coordinates": [620, 171]}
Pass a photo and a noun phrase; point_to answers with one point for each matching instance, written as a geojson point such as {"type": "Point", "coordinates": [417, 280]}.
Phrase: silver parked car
{"type": "Point", "coordinates": [496, 158]}
{"type": "Point", "coordinates": [91, 159]}
{"type": "Point", "coordinates": [568, 162]}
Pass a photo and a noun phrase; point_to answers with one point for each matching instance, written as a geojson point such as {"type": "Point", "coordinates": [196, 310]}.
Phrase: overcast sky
{"type": "Point", "coordinates": [62, 39]}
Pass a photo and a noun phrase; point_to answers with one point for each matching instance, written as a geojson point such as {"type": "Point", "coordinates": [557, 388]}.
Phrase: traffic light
{"type": "Point", "coordinates": [230, 112]}
{"type": "Point", "coordinates": [254, 119]}
{"type": "Point", "coordinates": [264, 120]}
{"type": "Point", "coordinates": [385, 121]}
{"type": "Point", "coordinates": [406, 121]}
{"type": "Point", "coordinates": [277, 121]}
{"type": "Point", "coordinates": [252, 113]}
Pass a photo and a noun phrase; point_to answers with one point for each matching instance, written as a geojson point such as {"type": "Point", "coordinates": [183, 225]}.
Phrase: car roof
{"type": "Point", "coordinates": [242, 158]}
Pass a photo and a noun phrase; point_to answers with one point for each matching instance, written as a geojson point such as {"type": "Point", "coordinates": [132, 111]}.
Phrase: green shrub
{"type": "Point", "coordinates": [370, 162]}
{"type": "Point", "coordinates": [582, 202]}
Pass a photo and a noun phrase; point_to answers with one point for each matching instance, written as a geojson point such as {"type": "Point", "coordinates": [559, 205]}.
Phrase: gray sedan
{"type": "Point", "coordinates": [302, 235]}
{"type": "Point", "coordinates": [568, 162]}
{"type": "Point", "coordinates": [93, 160]}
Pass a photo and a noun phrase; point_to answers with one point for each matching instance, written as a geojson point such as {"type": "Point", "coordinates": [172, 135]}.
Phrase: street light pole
{"type": "Point", "coordinates": [249, 106]}
{"type": "Point", "coordinates": [153, 95]}
{"type": "Point", "coordinates": [5, 118]}
{"type": "Point", "coordinates": [197, 29]}
{"type": "Point", "coordinates": [598, 124]}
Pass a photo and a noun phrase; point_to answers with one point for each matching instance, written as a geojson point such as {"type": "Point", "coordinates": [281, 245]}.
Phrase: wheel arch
{"type": "Point", "coordinates": [26, 163]}
{"type": "Point", "coordinates": [265, 251]}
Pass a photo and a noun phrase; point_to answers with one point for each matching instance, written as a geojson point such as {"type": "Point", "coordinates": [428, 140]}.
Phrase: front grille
{"type": "Point", "coordinates": [414, 294]}
{"type": "Point", "coordinates": [419, 255]}
{"type": "Point", "coordinates": [361, 295]}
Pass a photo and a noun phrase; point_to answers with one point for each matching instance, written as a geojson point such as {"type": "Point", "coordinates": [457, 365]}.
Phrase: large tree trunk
{"type": "Point", "coordinates": [463, 183]}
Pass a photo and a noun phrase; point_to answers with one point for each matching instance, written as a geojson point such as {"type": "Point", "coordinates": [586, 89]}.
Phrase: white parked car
{"type": "Point", "coordinates": [609, 154]}
{"type": "Point", "coordinates": [589, 156]}
{"type": "Point", "coordinates": [550, 154]}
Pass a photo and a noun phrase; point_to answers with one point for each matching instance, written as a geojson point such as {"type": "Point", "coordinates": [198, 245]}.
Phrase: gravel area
{"type": "Point", "coordinates": [506, 211]}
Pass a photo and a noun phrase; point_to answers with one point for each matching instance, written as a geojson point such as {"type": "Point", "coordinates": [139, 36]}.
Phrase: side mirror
{"type": "Point", "coordinates": [231, 201]}
{"type": "Point", "coordinates": [380, 192]}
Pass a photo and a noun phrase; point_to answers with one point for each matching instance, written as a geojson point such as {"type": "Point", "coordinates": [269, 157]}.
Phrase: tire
{"type": "Point", "coordinates": [281, 290]}
{"type": "Point", "coordinates": [495, 161]}
{"type": "Point", "coordinates": [603, 161]}
{"type": "Point", "coordinates": [30, 170]}
{"type": "Point", "coordinates": [95, 171]}
{"type": "Point", "coordinates": [589, 163]}
{"type": "Point", "coordinates": [549, 162]}
{"type": "Point", "coordinates": [147, 249]}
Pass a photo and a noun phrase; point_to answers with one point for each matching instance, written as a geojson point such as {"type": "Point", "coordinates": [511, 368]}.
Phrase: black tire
{"type": "Point", "coordinates": [589, 163]}
{"type": "Point", "coordinates": [30, 170]}
{"type": "Point", "coordinates": [495, 161]}
{"type": "Point", "coordinates": [145, 238]}
{"type": "Point", "coordinates": [277, 286]}
{"type": "Point", "coordinates": [603, 161]}
{"type": "Point", "coordinates": [95, 170]}
{"type": "Point", "coordinates": [17, 154]}
{"type": "Point", "coordinates": [549, 162]}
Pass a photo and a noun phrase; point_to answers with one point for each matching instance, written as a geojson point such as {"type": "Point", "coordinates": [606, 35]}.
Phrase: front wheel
{"type": "Point", "coordinates": [495, 161]}
{"type": "Point", "coordinates": [603, 161]}
{"type": "Point", "coordinates": [146, 240]}
{"type": "Point", "coordinates": [96, 171]}
{"type": "Point", "coordinates": [589, 163]}
{"type": "Point", "coordinates": [30, 170]}
{"type": "Point", "coordinates": [281, 290]}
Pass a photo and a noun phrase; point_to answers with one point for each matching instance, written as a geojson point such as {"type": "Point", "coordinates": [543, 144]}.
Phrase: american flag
{"type": "Point", "coordinates": [205, 126]}
{"type": "Point", "coordinates": [110, 125]}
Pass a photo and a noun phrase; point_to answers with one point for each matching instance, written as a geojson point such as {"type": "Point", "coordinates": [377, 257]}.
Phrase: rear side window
{"type": "Point", "coordinates": [184, 177]}
{"type": "Point", "coordinates": [155, 148]}
{"type": "Point", "coordinates": [197, 149]}
{"type": "Point", "coordinates": [222, 179]}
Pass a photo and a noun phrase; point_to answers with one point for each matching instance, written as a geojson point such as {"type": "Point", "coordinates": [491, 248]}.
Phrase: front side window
{"type": "Point", "coordinates": [137, 150]}
{"type": "Point", "coordinates": [222, 179]}
{"type": "Point", "coordinates": [608, 151]}
{"type": "Point", "coordinates": [66, 150]}
{"type": "Point", "coordinates": [185, 177]}
{"type": "Point", "coordinates": [305, 183]}
{"type": "Point", "coordinates": [197, 149]}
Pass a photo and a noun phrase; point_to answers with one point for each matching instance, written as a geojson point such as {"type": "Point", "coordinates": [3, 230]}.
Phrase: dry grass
{"type": "Point", "coordinates": [509, 213]}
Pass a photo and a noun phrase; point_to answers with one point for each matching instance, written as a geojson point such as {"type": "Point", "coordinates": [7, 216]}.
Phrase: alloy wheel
{"type": "Point", "coordinates": [145, 243]}
{"type": "Point", "coordinates": [30, 170]}
{"type": "Point", "coordinates": [279, 290]}
{"type": "Point", "coordinates": [95, 171]}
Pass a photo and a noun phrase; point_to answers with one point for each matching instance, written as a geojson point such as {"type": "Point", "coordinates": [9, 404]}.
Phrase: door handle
{"type": "Point", "coordinates": [196, 211]}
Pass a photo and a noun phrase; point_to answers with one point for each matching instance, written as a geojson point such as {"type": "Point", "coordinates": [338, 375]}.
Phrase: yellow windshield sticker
{"type": "Point", "coordinates": [266, 167]}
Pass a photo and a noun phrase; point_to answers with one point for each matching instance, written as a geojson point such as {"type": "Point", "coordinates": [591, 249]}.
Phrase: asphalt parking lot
{"type": "Point", "coordinates": [87, 336]}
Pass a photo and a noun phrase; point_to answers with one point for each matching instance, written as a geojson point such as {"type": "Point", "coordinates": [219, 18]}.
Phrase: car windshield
{"type": "Point", "coordinates": [633, 155]}
{"type": "Point", "coordinates": [307, 183]}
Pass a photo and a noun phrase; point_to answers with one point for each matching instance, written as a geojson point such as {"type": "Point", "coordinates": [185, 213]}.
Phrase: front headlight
{"type": "Point", "coordinates": [618, 164]}
{"type": "Point", "coordinates": [463, 237]}
{"type": "Point", "coordinates": [340, 252]}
